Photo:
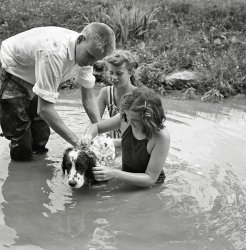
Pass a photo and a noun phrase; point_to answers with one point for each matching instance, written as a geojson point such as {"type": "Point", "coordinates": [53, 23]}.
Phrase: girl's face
{"type": "Point", "coordinates": [135, 120]}
{"type": "Point", "coordinates": [119, 75]}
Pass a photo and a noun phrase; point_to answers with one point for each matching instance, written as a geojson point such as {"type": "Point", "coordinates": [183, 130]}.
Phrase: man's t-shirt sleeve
{"type": "Point", "coordinates": [48, 73]}
{"type": "Point", "coordinates": [85, 77]}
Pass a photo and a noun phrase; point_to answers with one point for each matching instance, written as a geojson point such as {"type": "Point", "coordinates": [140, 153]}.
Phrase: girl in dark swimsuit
{"type": "Point", "coordinates": [145, 139]}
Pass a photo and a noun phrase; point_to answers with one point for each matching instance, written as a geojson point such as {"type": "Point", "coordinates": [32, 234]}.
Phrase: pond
{"type": "Point", "coordinates": [201, 205]}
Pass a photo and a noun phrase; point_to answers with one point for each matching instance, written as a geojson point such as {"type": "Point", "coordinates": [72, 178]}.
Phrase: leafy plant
{"type": "Point", "coordinates": [128, 22]}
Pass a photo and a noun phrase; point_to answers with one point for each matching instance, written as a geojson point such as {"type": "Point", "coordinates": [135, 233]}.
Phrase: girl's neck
{"type": "Point", "coordinates": [123, 90]}
{"type": "Point", "coordinates": [138, 134]}
{"type": "Point", "coordinates": [119, 92]}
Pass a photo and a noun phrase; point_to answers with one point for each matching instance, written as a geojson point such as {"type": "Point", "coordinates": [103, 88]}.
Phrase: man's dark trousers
{"type": "Point", "coordinates": [27, 131]}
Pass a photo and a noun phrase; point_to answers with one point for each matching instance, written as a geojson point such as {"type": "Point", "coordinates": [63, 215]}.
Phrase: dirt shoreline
{"type": "Point", "coordinates": [238, 100]}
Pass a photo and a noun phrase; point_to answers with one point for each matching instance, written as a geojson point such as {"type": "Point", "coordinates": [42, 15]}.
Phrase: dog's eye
{"type": "Point", "coordinates": [105, 144]}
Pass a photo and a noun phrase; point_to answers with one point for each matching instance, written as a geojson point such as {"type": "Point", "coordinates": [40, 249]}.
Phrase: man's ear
{"type": "Point", "coordinates": [80, 39]}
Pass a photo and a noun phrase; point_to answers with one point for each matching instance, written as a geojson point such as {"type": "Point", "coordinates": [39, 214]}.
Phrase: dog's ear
{"type": "Point", "coordinates": [91, 155]}
{"type": "Point", "coordinates": [64, 163]}
{"type": "Point", "coordinates": [91, 163]}
{"type": "Point", "coordinates": [65, 160]}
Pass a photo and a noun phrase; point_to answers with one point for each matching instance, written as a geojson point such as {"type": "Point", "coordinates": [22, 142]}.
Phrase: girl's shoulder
{"type": "Point", "coordinates": [104, 94]}
{"type": "Point", "coordinates": [161, 137]}
{"type": "Point", "coordinates": [160, 140]}
{"type": "Point", "coordinates": [105, 90]}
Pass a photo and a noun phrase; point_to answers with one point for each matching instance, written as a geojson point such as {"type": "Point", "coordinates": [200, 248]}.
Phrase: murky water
{"type": "Point", "coordinates": [202, 204]}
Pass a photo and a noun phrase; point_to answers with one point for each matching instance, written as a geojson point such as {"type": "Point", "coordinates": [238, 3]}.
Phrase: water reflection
{"type": "Point", "coordinates": [209, 178]}
{"type": "Point", "coordinates": [202, 204]}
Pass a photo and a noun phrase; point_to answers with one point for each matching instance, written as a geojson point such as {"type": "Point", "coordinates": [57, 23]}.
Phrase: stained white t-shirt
{"type": "Point", "coordinates": [45, 57]}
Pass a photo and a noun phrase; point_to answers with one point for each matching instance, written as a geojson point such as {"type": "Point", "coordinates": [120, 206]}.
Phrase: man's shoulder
{"type": "Point", "coordinates": [51, 29]}
{"type": "Point", "coordinates": [51, 33]}
{"type": "Point", "coordinates": [43, 38]}
{"type": "Point", "coordinates": [55, 38]}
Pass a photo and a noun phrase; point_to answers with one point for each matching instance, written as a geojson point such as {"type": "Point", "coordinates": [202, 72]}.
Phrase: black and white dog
{"type": "Point", "coordinates": [78, 162]}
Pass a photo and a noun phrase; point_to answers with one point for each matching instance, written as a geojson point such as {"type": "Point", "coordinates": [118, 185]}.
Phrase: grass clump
{"type": "Point", "coordinates": [129, 22]}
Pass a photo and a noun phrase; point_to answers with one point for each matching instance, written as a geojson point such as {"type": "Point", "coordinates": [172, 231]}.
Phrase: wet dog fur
{"type": "Point", "coordinates": [78, 163]}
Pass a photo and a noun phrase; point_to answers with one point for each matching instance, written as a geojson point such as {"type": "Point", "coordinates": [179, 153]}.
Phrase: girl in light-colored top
{"type": "Point", "coordinates": [145, 139]}
{"type": "Point", "coordinates": [121, 65]}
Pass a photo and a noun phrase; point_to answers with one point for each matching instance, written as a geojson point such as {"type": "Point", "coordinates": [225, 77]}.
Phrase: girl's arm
{"type": "Point", "coordinates": [101, 127]}
{"type": "Point", "coordinates": [103, 173]}
{"type": "Point", "coordinates": [156, 163]}
{"type": "Point", "coordinates": [158, 156]}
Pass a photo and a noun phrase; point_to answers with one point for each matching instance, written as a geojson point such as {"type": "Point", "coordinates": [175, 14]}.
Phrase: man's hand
{"type": "Point", "coordinates": [86, 140]}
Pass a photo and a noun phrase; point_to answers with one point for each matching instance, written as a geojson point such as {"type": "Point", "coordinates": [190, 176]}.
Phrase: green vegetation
{"type": "Point", "coordinates": [204, 36]}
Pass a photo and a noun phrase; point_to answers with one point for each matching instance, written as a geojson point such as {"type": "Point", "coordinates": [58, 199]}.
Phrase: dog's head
{"type": "Point", "coordinates": [78, 162]}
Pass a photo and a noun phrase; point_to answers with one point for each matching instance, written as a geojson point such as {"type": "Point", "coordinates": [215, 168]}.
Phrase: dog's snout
{"type": "Point", "coordinates": [72, 183]}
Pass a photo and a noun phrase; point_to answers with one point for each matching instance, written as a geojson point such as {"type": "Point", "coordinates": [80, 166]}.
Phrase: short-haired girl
{"type": "Point", "coordinates": [145, 139]}
{"type": "Point", "coordinates": [121, 65]}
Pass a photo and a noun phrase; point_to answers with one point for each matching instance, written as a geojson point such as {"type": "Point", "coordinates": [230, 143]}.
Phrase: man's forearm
{"type": "Point", "coordinates": [56, 123]}
{"type": "Point", "coordinates": [48, 113]}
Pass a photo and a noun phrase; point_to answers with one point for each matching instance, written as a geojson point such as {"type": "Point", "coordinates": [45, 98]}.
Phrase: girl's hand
{"type": "Point", "coordinates": [103, 173]}
{"type": "Point", "coordinates": [86, 140]}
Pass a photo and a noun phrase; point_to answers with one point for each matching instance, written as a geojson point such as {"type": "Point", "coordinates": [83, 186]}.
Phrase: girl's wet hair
{"type": "Point", "coordinates": [123, 56]}
{"type": "Point", "coordinates": [147, 103]}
